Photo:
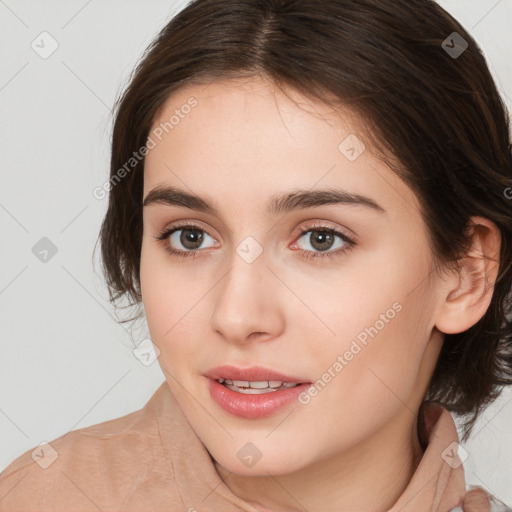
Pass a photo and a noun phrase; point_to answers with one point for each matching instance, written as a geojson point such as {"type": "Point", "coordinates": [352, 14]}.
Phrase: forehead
{"type": "Point", "coordinates": [238, 106]}
{"type": "Point", "coordinates": [246, 137]}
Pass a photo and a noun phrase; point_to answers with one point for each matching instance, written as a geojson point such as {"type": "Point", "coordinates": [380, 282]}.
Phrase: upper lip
{"type": "Point", "coordinates": [251, 374]}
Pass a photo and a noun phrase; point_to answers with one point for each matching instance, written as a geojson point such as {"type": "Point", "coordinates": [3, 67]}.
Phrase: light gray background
{"type": "Point", "coordinates": [65, 363]}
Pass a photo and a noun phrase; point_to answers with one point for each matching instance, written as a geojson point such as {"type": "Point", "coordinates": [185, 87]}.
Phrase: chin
{"type": "Point", "coordinates": [276, 464]}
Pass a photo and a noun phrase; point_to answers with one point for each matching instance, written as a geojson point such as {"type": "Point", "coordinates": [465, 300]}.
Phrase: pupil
{"type": "Point", "coordinates": [319, 241]}
{"type": "Point", "coordinates": [193, 236]}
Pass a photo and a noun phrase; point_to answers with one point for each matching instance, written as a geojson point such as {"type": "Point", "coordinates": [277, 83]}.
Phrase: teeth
{"type": "Point", "coordinates": [250, 391]}
{"type": "Point", "coordinates": [241, 383]}
{"type": "Point", "coordinates": [256, 387]}
{"type": "Point", "coordinates": [261, 385]}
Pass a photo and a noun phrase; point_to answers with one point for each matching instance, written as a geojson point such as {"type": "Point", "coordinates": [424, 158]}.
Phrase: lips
{"type": "Point", "coordinates": [253, 392]}
{"type": "Point", "coordinates": [252, 374]}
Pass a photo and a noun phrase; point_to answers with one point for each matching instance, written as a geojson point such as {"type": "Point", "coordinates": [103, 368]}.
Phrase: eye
{"type": "Point", "coordinates": [189, 236]}
{"type": "Point", "coordinates": [320, 240]}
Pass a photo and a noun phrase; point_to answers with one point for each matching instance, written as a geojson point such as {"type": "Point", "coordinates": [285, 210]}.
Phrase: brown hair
{"type": "Point", "coordinates": [436, 117]}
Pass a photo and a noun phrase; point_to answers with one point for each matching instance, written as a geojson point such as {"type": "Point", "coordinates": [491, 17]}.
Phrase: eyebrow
{"type": "Point", "coordinates": [278, 204]}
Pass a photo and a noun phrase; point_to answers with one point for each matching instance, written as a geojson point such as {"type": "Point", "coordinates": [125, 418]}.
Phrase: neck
{"type": "Point", "coordinates": [370, 476]}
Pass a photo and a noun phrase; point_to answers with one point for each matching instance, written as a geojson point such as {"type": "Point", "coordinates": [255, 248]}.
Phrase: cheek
{"type": "Point", "coordinates": [379, 333]}
{"type": "Point", "coordinates": [160, 299]}
{"type": "Point", "coordinates": [376, 362]}
{"type": "Point", "coordinates": [174, 305]}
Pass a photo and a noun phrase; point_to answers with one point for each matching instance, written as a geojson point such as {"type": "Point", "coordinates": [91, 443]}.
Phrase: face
{"type": "Point", "coordinates": [335, 294]}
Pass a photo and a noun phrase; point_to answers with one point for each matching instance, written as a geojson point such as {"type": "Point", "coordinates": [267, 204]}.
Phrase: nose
{"type": "Point", "coordinates": [248, 303]}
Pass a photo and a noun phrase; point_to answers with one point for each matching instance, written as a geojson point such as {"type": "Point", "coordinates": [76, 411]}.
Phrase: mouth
{"type": "Point", "coordinates": [253, 392]}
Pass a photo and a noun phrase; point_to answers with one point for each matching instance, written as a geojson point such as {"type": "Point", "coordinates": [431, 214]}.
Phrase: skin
{"type": "Point", "coordinates": [243, 142]}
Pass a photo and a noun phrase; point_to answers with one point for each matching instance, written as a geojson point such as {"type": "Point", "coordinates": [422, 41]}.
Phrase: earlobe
{"type": "Point", "coordinates": [470, 289]}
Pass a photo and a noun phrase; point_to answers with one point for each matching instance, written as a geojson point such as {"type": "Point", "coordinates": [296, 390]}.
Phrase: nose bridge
{"type": "Point", "coordinates": [244, 303]}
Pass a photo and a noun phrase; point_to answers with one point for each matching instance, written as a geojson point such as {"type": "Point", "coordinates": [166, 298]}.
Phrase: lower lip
{"type": "Point", "coordinates": [253, 406]}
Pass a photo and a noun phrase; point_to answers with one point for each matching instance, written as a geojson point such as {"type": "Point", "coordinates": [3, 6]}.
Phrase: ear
{"type": "Point", "coordinates": [469, 290]}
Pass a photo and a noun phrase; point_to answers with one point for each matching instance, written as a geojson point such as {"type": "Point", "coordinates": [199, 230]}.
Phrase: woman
{"type": "Point", "coordinates": [311, 201]}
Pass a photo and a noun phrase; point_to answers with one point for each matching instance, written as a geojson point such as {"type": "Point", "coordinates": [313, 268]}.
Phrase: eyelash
{"type": "Point", "coordinates": [350, 243]}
